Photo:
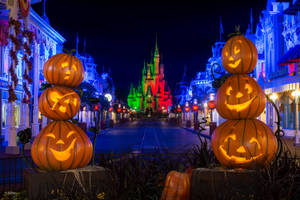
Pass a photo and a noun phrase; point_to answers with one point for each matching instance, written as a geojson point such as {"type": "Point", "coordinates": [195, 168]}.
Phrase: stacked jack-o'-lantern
{"type": "Point", "coordinates": [61, 145]}
{"type": "Point", "coordinates": [242, 141]}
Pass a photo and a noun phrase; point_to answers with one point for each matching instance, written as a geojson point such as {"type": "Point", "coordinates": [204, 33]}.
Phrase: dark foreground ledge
{"type": "Point", "coordinates": [222, 183]}
{"type": "Point", "coordinates": [44, 185]}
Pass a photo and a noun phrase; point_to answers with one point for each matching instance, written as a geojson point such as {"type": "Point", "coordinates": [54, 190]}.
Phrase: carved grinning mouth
{"type": "Point", "coordinates": [237, 158]}
{"type": "Point", "coordinates": [235, 64]}
{"type": "Point", "coordinates": [239, 107]}
{"type": "Point", "coordinates": [63, 155]}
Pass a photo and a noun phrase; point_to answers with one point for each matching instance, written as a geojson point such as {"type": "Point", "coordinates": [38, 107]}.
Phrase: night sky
{"type": "Point", "coordinates": [121, 35]}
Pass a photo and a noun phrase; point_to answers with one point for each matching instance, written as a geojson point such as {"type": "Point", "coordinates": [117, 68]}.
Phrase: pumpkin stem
{"type": "Point", "coordinates": [70, 52]}
{"type": "Point", "coordinates": [237, 32]}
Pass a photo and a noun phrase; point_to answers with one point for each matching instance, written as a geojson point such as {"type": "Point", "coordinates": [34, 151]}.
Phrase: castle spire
{"type": "Point", "coordinates": [156, 53]}
{"type": "Point", "coordinates": [221, 29]}
{"type": "Point", "coordinates": [77, 43]}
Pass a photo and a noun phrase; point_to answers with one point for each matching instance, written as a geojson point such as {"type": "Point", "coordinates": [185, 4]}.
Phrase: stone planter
{"type": "Point", "coordinates": [222, 183]}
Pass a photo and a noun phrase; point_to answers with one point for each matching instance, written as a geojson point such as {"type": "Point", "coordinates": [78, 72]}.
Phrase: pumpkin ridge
{"type": "Point", "coordinates": [256, 136]}
{"type": "Point", "coordinates": [239, 88]}
{"type": "Point", "coordinates": [49, 104]}
{"type": "Point", "coordinates": [54, 69]}
{"type": "Point", "coordinates": [66, 124]}
{"type": "Point", "coordinates": [251, 54]}
{"type": "Point", "coordinates": [74, 158]}
{"type": "Point", "coordinates": [46, 152]}
{"type": "Point", "coordinates": [74, 77]}
{"type": "Point", "coordinates": [84, 159]}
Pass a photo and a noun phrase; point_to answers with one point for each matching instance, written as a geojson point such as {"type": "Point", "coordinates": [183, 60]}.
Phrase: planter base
{"type": "Point", "coordinates": [43, 185]}
{"type": "Point", "coordinates": [222, 183]}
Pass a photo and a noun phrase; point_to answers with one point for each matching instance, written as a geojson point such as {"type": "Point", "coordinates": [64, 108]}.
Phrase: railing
{"type": "Point", "coordinates": [11, 173]}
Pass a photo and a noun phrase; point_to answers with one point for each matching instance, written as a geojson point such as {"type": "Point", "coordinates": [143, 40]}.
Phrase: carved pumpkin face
{"type": "Point", "coordinates": [59, 103]}
{"type": "Point", "coordinates": [239, 55]}
{"type": "Point", "coordinates": [61, 145]}
{"type": "Point", "coordinates": [244, 143]}
{"type": "Point", "coordinates": [240, 97]}
{"type": "Point", "coordinates": [64, 69]}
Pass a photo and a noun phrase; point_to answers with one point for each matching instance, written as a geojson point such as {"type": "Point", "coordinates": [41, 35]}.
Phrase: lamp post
{"type": "Point", "coordinates": [296, 94]}
{"type": "Point", "coordinates": [274, 97]}
{"type": "Point", "coordinates": [195, 109]}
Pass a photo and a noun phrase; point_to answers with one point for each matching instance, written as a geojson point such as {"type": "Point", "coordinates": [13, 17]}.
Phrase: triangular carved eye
{"type": "Point", "coordinates": [71, 133]}
{"type": "Point", "coordinates": [228, 90]}
{"type": "Point", "coordinates": [254, 140]}
{"type": "Point", "coordinates": [236, 50]}
{"type": "Point", "coordinates": [248, 88]}
{"type": "Point", "coordinates": [51, 135]}
{"type": "Point", "coordinates": [232, 136]}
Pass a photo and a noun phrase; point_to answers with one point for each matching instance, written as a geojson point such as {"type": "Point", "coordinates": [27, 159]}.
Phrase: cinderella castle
{"type": "Point", "coordinates": [153, 93]}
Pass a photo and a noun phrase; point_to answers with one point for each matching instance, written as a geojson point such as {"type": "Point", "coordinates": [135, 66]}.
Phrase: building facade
{"type": "Point", "coordinates": [277, 39]}
{"type": "Point", "coordinates": [153, 93]}
{"type": "Point", "coordinates": [47, 42]}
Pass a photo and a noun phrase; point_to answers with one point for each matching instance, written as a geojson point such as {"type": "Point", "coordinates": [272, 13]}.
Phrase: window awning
{"type": "Point", "coordinates": [292, 56]}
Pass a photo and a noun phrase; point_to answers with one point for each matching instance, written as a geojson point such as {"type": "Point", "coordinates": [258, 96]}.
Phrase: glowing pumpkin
{"type": "Point", "coordinates": [64, 69]}
{"type": "Point", "coordinates": [244, 143]}
{"type": "Point", "coordinates": [61, 145]}
{"type": "Point", "coordinates": [239, 55]}
{"type": "Point", "coordinates": [177, 186]}
{"type": "Point", "coordinates": [240, 97]}
{"type": "Point", "coordinates": [59, 103]}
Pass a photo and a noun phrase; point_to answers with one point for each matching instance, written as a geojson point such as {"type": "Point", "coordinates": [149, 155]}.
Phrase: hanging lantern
{"type": "Point", "coordinates": [187, 109]}
{"type": "Point", "coordinates": [195, 107]}
{"type": "Point", "coordinates": [211, 104]}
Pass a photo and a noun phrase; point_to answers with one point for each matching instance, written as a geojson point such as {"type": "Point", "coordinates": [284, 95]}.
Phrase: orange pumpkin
{"type": "Point", "coordinates": [240, 97]}
{"type": "Point", "coordinates": [244, 143]}
{"type": "Point", "coordinates": [177, 186]}
{"type": "Point", "coordinates": [59, 103]}
{"type": "Point", "coordinates": [64, 69]}
{"type": "Point", "coordinates": [61, 145]}
{"type": "Point", "coordinates": [239, 55]}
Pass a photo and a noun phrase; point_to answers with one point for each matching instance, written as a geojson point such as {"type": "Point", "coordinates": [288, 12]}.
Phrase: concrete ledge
{"type": "Point", "coordinates": [12, 150]}
{"type": "Point", "coordinates": [222, 183]}
{"type": "Point", "coordinates": [89, 180]}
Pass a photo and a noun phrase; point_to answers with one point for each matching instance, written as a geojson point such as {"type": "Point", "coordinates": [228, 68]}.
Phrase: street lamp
{"type": "Point", "coordinates": [296, 94]}
{"type": "Point", "coordinates": [274, 97]}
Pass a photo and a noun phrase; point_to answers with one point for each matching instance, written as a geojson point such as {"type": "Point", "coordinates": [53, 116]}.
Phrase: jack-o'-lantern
{"type": "Point", "coordinates": [59, 103]}
{"type": "Point", "coordinates": [64, 69]}
{"type": "Point", "coordinates": [240, 97]}
{"type": "Point", "coordinates": [239, 55]}
{"type": "Point", "coordinates": [244, 143]}
{"type": "Point", "coordinates": [61, 145]}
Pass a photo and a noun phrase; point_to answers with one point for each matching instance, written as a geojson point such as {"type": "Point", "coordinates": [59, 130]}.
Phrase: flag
{"type": "Point", "coordinates": [77, 42]}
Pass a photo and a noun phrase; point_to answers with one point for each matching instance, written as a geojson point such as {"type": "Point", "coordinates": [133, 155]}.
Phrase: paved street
{"type": "Point", "coordinates": [146, 136]}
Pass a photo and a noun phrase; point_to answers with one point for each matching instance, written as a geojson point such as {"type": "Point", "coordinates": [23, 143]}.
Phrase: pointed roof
{"type": "Point", "coordinates": [156, 52]}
